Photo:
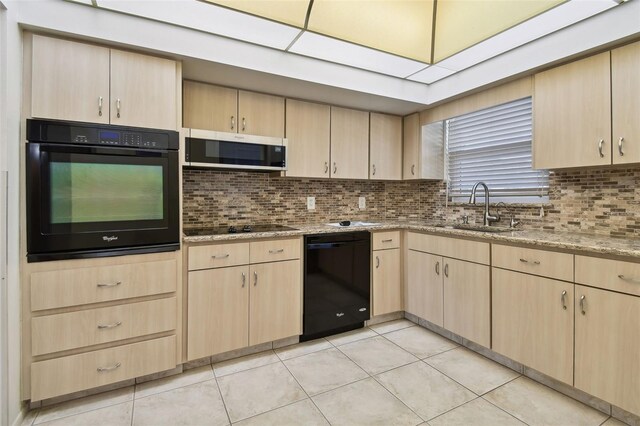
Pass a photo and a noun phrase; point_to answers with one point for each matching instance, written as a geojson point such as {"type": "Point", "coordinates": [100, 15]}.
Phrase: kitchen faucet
{"type": "Point", "coordinates": [488, 218]}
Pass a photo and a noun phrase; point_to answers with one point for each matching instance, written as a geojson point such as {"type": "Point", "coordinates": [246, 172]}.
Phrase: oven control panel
{"type": "Point", "coordinates": [89, 134]}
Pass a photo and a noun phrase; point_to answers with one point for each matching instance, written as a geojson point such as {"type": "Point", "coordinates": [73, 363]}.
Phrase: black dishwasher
{"type": "Point", "coordinates": [337, 288]}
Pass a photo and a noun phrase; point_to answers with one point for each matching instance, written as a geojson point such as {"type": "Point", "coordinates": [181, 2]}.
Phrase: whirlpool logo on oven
{"type": "Point", "coordinates": [109, 239]}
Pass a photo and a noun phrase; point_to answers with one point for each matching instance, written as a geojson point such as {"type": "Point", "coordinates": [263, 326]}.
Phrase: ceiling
{"type": "Point", "coordinates": [420, 41]}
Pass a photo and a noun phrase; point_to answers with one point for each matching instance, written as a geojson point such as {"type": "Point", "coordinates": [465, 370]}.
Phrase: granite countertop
{"type": "Point", "coordinates": [570, 241]}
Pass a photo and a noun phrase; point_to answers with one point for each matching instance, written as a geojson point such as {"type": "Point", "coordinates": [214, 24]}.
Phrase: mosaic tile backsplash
{"type": "Point", "coordinates": [601, 201]}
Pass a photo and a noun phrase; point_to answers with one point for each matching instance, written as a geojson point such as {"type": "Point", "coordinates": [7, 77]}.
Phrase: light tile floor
{"type": "Point", "coordinates": [394, 373]}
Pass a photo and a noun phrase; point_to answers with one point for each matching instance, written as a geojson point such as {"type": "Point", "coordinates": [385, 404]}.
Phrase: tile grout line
{"type": "Point", "coordinates": [502, 409]}
{"type": "Point", "coordinates": [224, 404]}
{"type": "Point", "coordinates": [248, 369]}
{"type": "Point", "coordinates": [305, 392]}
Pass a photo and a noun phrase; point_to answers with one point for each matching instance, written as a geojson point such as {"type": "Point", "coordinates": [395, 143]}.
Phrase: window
{"type": "Point", "coordinates": [494, 146]}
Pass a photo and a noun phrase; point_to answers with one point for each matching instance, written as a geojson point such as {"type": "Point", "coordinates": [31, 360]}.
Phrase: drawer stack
{"type": "Point", "coordinates": [96, 325]}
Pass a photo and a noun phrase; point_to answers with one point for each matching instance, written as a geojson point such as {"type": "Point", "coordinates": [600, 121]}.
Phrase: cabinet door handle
{"type": "Point", "coordinates": [233, 122]}
{"type": "Point", "coordinates": [374, 169]}
{"type": "Point", "coordinates": [255, 278]}
{"type": "Point", "coordinates": [118, 107]}
{"type": "Point", "coordinates": [335, 168]}
{"type": "Point", "coordinates": [377, 262]}
{"type": "Point", "coordinates": [437, 268]}
{"type": "Point", "coordinates": [600, 143]}
{"type": "Point", "coordinates": [276, 251]}
{"type": "Point", "coordinates": [629, 279]}
{"type": "Point", "coordinates": [446, 270]}
{"type": "Point", "coordinates": [563, 299]}
{"type": "Point", "coordinates": [413, 169]}
{"type": "Point", "coordinates": [326, 167]}
{"type": "Point", "coordinates": [100, 106]}
{"type": "Point", "coordinates": [583, 303]}
{"type": "Point", "coordinates": [107, 326]}
{"type": "Point", "coordinates": [535, 262]}
{"type": "Point", "coordinates": [620, 141]}
{"type": "Point", "coordinates": [244, 124]}
{"type": "Point", "coordinates": [244, 279]}
{"type": "Point", "coordinates": [110, 285]}
{"type": "Point", "coordinates": [107, 369]}
{"type": "Point", "coordinates": [220, 256]}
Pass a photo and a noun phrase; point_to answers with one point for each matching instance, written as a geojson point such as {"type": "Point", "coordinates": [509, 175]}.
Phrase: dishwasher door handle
{"type": "Point", "coordinates": [321, 246]}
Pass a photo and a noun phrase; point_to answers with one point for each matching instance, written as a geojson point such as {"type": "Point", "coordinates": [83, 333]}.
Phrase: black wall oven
{"type": "Point", "coordinates": [100, 190]}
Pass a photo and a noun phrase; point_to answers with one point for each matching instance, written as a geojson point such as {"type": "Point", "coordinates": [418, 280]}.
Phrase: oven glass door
{"type": "Point", "coordinates": [95, 197]}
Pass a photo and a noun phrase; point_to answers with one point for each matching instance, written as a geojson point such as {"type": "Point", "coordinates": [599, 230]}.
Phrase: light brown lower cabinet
{"type": "Point", "coordinates": [387, 283]}
{"type": "Point", "coordinates": [533, 322]}
{"type": "Point", "coordinates": [235, 307]}
{"type": "Point", "coordinates": [275, 301]}
{"type": "Point", "coordinates": [607, 346]}
{"type": "Point", "coordinates": [217, 317]}
{"type": "Point", "coordinates": [424, 290]}
{"type": "Point", "coordinates": [467, 300]}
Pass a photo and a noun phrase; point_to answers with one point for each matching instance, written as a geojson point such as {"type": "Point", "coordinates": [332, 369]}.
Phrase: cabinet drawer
{"type": "Point", "coordinates": [74, 373]}
{"type": "Point", "coordinates": [53, 333]}
{"type": "Point", "coordinates": [609, 274]}
{"type": "Point", "coordinates": [473, 251]}
{"type": "Point", "coordinates": [531, 261]}
{"type": "Point", "coordinates": [71, 287]}
{"type": "Point", "coordinates": [386, 240]}
{"type": "Point", "coordinates": [218, 255]}
{"type": "Point", "coordinates": [274, 250]}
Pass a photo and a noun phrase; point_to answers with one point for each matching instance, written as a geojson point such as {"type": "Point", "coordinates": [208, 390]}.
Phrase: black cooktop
{"type": "Point", "coordinates": [196, 232]}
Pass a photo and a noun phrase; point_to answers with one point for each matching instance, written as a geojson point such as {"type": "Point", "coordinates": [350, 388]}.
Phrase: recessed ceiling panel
{"type": "Point", "coordinates": [342, 52]}
{"type": "Point", "coordinates": [291, 12]}
{"type": "Point", "coordinates": [432, 74]}
{"type": "Point", "coordinates": [463, 23]}
{"type": "Point", "coordinates": [401, 27]}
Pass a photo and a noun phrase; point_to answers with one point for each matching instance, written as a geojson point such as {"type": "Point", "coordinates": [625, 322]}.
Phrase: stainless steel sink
{"type": "Point", "coordinates": [483, 228]}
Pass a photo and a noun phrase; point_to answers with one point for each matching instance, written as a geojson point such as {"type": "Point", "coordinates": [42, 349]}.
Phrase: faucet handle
{"type": "Point", "coordinates": [513, 222]}
{"type": "Point", "coordinates": [465, 219]}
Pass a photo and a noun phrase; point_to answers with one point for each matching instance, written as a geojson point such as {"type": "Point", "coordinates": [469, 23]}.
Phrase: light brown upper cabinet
{"type": "Point", "coordinates": [625, 96]}
{"type": "Point", "coordinates": [69, 81]}
{"type": "Point", "coordinates": [143, 91]}
{"type": "Point", "coordinates": [385, 147]}
{"type": "Point", "coordinates": [572, 114]}
{"type": "Point", "coordinates": [308, 132]}
{"type": "Point", "coordinates": [423, 156]}
{"type": "Point", "coordinates": [349, 143]}
{"type": "Point", "coordinates": [411, 139]}
{"type": "Point", "coordinates": [211, 107]}
{"type": "Point", "coordinates": [80, 82]}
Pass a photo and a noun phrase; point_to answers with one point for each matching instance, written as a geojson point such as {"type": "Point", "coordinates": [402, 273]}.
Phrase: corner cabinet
{"type": "Point", "coordinates": [585, 112]}
{"type": "Point", "coordinates": [385, 147]}
{"type": "Point", "coordinates": [81, 82]}
{"type": "Point", "coordinates": [308, 132]}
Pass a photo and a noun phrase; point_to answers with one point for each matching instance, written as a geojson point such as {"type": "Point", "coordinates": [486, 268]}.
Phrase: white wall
{"type": "Point", "coordinates": [10, 99]}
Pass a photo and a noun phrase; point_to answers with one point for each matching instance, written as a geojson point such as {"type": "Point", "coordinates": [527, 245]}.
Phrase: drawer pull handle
{"type": "Point", "coordinates": [244, 279]}
{"type": "Point", "coordinates": [377, 262]}
{"type": "Point", "coordinates": [437, 268]}
{"type": "Point", "coordinates": [535, 262]}
{"type": "Point", "coordinates": [446, 270]}
{"type": "Point", "coordinates": [107, 326]}
{"type": "Point", "coordinates": [563, 299]}
{"type": "Point", "coordinates": [387, 241]}
{"type": "Point", "coordinates": [107, 369]}
{"type": "Point", "coordinates": [220, 256]}
{"type": "Point", "coordinates": [583, 300]}
{"type": "Point", "coordinates": [629, 279]}
{"type": "Point", "coordinates": [276, 251]}
{"type": "Point", "coordinates": [110, 285]}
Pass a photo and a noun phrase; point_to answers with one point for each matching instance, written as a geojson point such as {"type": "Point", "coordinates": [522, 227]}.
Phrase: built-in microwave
{"type": "Point", "coordinates": [100, 190]}
{"type": "Point", "coordinates": [205, 148]}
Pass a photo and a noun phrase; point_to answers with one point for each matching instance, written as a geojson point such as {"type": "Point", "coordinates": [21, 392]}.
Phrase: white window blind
{"type": "Point", "coordinates": [494, 146]}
